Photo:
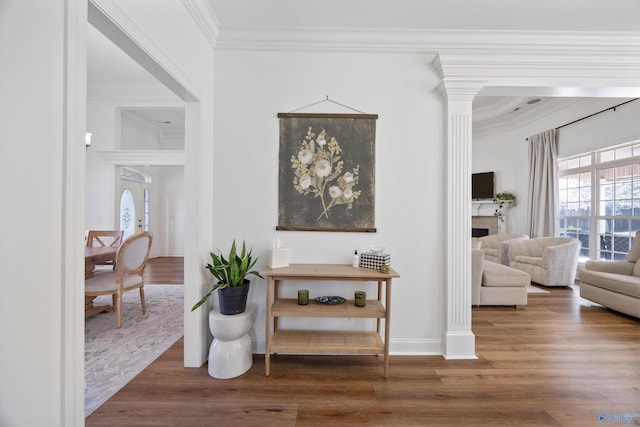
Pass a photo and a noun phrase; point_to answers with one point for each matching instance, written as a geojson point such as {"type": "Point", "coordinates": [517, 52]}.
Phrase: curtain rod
{"type": "Point", "coordinates": [595, 114]}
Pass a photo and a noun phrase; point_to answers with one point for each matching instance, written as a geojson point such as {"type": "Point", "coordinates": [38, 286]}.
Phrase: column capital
{"type": "Point", "coordinates": [460, 90]}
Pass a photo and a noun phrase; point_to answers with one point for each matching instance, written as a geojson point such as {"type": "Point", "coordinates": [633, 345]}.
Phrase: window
{"type": "Point", "coordinates": [599, 198]}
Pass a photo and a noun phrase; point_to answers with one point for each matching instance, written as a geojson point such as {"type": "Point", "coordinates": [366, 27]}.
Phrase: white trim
{"type": "Point", "coordinates": [71, 246]}
{"type": "Point", "coordinates": [457, 345]}
{"type": "Point", "coordinates": [431, 40]}
{"type": "Point", "coordinates": [415, 347]}
{"type": "Point", "coordinates": [143, 157]}
{"type": "Point", "coordinates": [199, 230]}
{"type": "Point", "coordinates": [108, 18]}
{"type": "Point", "coordinates": [198, 157]}
{"type": "Point", "coordinates": [142, 125]}
{"type": "Point", "coordinates": [458, 341]}
{"type": "Point", "coordinates": [483, 208]}
{"type": "Point", "coordinates": [205, 18]}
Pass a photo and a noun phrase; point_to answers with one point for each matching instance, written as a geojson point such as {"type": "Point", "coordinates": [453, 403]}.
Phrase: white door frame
{"type": "Point", "coordinates": [198, 190]}
{"type": "Point", "coordinates": [198, 156]}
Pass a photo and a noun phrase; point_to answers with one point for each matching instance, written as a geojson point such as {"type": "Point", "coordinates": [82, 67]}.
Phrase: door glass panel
{"type": "Point", "coordinates": [127, 214]}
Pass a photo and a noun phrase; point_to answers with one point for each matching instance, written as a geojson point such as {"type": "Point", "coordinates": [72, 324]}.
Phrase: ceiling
{"type": "Point", "coordinates": [111, 69]}
{"type": "Point", "coordinates": [539, 15]}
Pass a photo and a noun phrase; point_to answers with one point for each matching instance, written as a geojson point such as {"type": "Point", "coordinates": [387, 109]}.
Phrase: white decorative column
{"type": "Point", "coordinates": [458, 341]}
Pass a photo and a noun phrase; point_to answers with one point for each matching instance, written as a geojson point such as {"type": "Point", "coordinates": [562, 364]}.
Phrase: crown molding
{"type": "Point", "coordinates": [160, 133]}
{"type": "Point", "coordinates": [460, 90]}
{"type": "Point", "coordinates": [142, 125]}
{"type": "Point", "coordinates": [500, 57]}
{"type": "Point", "coordinates": [205, 18]}
{"type": "Point", "coordinates": [426, 40]}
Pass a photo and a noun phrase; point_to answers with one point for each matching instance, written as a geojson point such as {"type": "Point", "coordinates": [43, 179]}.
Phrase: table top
{"type": "Point", "coordinates": [327, 271]}
{"type": "Point", "coordinates": [99, 251]}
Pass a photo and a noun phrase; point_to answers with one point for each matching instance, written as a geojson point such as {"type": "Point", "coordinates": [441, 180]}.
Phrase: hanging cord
{"type": "Point", "coordinates": [327, 100]}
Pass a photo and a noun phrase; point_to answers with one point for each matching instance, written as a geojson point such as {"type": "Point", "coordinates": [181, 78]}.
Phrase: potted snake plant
{"type": "Point", "coordinates": [232, 282]}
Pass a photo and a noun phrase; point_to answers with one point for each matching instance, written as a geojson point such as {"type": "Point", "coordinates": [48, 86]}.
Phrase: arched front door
{"type": "Point", "coordinates": [134, 202]}
{"type": "Point", "coordinates": [127, 214]}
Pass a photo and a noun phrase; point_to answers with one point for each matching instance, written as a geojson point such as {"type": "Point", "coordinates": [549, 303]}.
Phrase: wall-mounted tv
{"type": "Point", "coordinates": [482, 186]}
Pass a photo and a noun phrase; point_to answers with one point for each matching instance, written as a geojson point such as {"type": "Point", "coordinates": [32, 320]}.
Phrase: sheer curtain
{"type": "Point", "coordinates": [543, 184]}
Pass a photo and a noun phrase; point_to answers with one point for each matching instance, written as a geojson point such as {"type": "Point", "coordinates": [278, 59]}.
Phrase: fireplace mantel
{"type": "Point", "coordinates": [482, 208]}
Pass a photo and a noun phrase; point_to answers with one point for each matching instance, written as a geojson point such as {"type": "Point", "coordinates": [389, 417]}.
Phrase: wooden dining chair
{"type": "Point", "coordinates": [131, 260]}
{"type": "Point", "coordinates": [104, 238]}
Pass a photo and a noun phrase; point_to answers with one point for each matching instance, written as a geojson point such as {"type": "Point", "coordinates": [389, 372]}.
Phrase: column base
{"type": "Point", "coordinates": [459, 345]}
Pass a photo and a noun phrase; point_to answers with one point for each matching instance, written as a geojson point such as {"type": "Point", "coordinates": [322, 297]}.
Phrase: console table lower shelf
{"type": "Point", "coordinates": [326, 342]}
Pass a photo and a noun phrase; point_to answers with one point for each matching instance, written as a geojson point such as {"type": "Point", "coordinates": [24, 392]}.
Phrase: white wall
{"type": "Point", "coordinates": [169, 216]}
{"type": "Point", "coordinates": [100, 178]}
{"type": "Point", "coordinates": [32, 143]}
{"type": "Point", "coordinates": [252, 87]}
{"type": "Point", "coordinates": [507, 153]}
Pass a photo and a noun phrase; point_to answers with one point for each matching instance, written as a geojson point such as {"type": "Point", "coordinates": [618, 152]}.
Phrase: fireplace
{"type": "Point", "coordinates": [483, 225]}
{"type": "Point", "coordinates": [479, 232]}
{"type": "Point", "coordinates": [483, 219]}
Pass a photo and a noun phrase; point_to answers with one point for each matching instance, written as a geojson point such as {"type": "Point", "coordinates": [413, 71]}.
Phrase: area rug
{"type": "Point", "coordinates": [534, 290]}
{"type": "Point", "coordinates": [114, 356]}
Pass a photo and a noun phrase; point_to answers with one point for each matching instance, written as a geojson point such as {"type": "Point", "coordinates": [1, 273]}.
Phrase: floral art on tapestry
{"type": "Point", "coordinates": [327, 172]}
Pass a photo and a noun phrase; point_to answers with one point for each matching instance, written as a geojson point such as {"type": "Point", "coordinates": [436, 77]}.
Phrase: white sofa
{"type": "Point", "coordinates": [550, 261]}
{"type": "Point", "coordinates": [495, 246]}
{"type": "Point", "coordinates": [614, 284]}
{"type": "Point", "coordinates": [496, 284]}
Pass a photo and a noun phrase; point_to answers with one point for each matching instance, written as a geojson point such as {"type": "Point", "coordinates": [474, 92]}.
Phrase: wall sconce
{"type": "Point", "coordinates": [87, 139]}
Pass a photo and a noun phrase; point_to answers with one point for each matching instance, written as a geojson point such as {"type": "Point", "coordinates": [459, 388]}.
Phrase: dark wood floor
{"type": "Point", "coordinates": [560, 361]}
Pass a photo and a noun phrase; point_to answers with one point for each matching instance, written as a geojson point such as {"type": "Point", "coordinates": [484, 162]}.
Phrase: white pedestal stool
{"type": "Point", "coordinates": [230, 353]}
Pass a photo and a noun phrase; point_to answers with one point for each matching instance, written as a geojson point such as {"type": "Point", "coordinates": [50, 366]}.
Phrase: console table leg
{"type": "Point", "coordinates": [267, 349]}
{"type": "Point", "coordinates": [387, 327]}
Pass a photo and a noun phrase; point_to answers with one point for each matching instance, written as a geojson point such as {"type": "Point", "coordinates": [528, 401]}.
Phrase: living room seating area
{"type": "Point", "coordinates": [503, 265]}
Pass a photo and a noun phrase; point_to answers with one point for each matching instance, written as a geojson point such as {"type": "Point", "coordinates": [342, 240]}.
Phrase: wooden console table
{"type": "Point", "coordinates": [327, 342]}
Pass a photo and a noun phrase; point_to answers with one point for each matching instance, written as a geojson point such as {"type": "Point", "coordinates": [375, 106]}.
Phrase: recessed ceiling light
{"type": "Point", "coordinates": [533, 101]}
{"type": "Point", "coordinates": [515, 109]}
{"type": "Point", "coordinates": [165, 122]}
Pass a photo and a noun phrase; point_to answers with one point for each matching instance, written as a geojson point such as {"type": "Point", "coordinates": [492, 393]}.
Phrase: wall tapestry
{"type": "Point", "coordinates": [327, 172]}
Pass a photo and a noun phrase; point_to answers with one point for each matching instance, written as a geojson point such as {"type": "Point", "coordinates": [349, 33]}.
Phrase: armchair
{"type": "Point", "coordinates": [496, 284]}
{"type": "Point", "coordinates": [551, 261]}
{"type": "Point", "coordinates": [614, 284]}
{"type": "Point", "coordinates": [495, 246]}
